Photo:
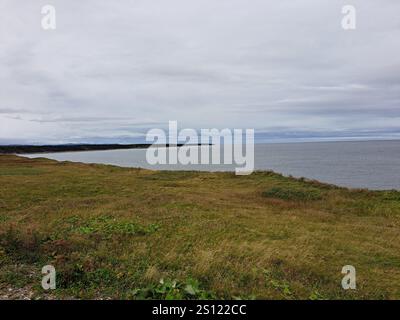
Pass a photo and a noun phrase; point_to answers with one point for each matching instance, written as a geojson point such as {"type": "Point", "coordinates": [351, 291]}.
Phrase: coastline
{"type": "Point", "coordinates": [32, 149]}
{"type": "Point", "coordinates": [355, 165]}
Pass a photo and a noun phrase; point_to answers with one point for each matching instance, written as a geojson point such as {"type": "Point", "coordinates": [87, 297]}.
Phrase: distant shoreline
{"type": "Point", "coordinates": [28, 149]}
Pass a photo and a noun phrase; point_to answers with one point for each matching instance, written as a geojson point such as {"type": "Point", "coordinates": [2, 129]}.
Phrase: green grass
{"type": "Point", "coordinates": [290, 193]}
{"type": "Point", "coordinates": [104, 225]}
{"type": "Point", "coordinates": [21, 171]}
{"type": "Point", "coordinates": [137, 234]}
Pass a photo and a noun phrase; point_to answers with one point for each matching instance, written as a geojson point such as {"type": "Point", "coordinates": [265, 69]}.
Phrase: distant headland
{"type": "Point", "coordinates": [25, 149]}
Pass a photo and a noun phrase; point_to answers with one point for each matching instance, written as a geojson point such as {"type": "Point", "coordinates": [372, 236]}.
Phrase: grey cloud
{"type": "Point", "coordinates": [11, 110]}
{"type": "Point", "coordinates": [90, 119]}
{"type": "Point", "coordinates": [110, 69]}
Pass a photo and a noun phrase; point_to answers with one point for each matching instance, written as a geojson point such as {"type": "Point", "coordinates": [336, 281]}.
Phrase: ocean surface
{"type": "Point", "coordinates": [367, 164]}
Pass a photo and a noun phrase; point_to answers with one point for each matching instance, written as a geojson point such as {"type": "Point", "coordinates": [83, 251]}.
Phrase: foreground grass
{"type": "Point", "coordinates": [115, 233]}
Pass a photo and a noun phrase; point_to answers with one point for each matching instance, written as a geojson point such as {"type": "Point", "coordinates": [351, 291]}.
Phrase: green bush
{"type": "Point", "coordinates": [293, 194]}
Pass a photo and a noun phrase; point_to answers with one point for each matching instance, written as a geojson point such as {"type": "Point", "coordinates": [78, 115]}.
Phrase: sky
{"type": "Point", "coordinates": [112, 70]}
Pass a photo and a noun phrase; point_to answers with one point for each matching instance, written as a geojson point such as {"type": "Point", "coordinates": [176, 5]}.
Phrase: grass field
{"type": "Point", "coordinates": [125, 233]}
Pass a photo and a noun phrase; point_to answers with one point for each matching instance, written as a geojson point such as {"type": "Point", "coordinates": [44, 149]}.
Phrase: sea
{"type": "Point", "coordinates": [355, 164]}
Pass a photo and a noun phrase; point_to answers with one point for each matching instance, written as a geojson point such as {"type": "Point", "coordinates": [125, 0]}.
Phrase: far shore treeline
{"type": "Point", "coordinates": [20, 149]}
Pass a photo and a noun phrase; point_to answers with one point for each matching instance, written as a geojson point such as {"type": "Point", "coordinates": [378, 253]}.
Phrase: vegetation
{"type": "Point", "coordinates": [26, 149]}
{"type": "Point", "coordinates": [21, 149]}
{"type": "Point", "coordinates": [127, 233]}
{"type": "Point", "coordinates": [294, 194]}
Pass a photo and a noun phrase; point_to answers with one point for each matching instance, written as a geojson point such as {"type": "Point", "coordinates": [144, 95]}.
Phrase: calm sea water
{"type": "Point", "coordinates": [368, 164]}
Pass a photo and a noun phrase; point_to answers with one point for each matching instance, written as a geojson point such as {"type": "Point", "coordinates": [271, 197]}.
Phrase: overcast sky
{"type": "Point", "coordinates": [113, 69]}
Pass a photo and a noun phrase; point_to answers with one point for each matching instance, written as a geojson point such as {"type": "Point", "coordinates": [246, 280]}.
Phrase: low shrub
{"type": "Point", "coordinates": [293, 194]}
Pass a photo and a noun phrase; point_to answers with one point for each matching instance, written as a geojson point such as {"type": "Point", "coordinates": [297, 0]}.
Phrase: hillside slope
{"type": "Point", "coordinates": [115, 232]}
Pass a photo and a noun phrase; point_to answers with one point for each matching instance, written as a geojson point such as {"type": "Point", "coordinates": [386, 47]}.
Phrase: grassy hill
{"type": "Point", "coordinates": [116, 232]}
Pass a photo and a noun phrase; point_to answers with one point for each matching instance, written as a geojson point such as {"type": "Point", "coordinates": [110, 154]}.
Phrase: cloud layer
{"type": "Point", "coordinates": [112, 70]}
